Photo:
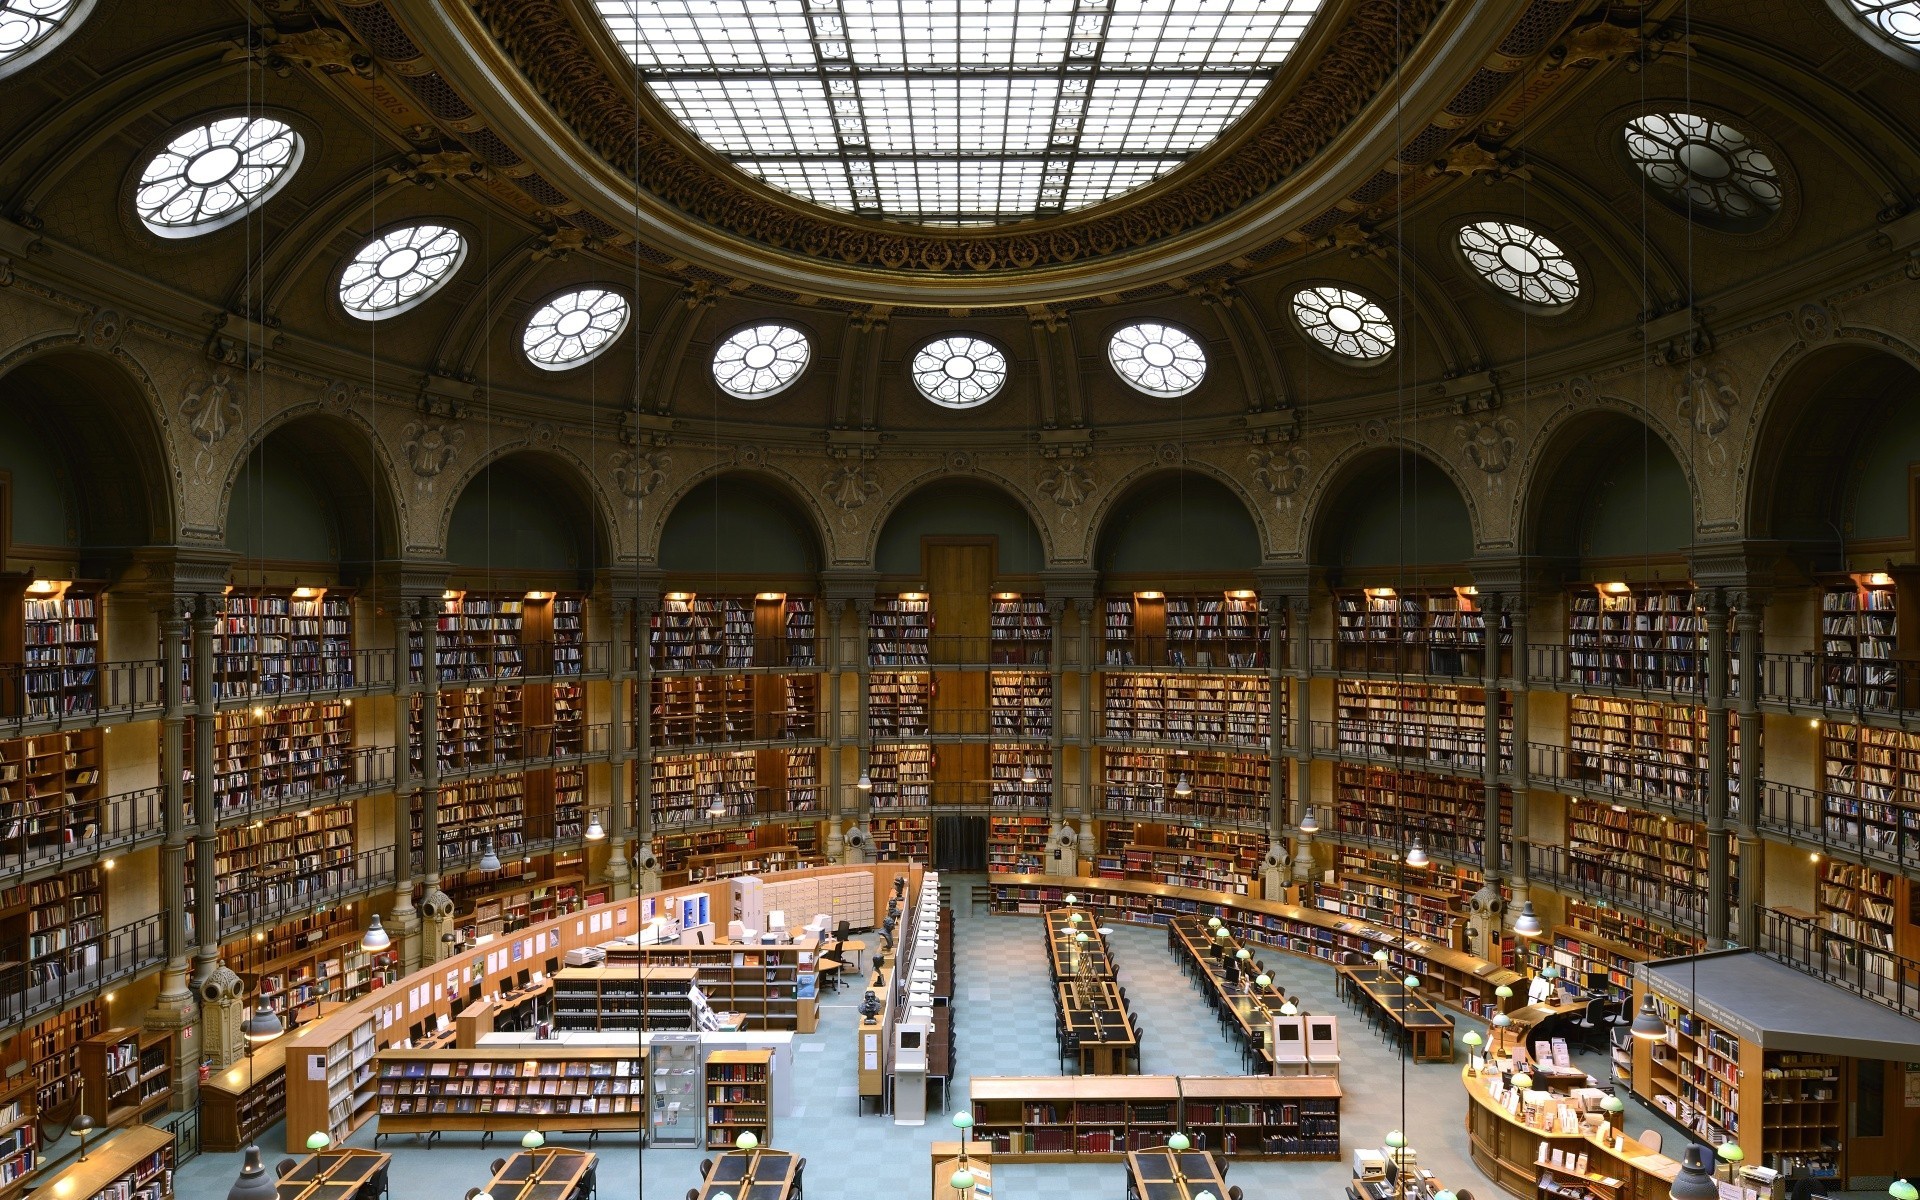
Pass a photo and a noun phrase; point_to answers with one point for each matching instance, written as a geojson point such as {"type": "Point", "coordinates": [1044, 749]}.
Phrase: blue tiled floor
{"type": "Point", "coordinates": [1004, 1024]}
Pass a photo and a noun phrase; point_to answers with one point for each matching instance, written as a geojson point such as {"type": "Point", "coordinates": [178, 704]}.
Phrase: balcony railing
{"type": "Point", "coordinates": [352, 673]}
{"type": "Point", "coordinates": [1412, 744]}
{"type": "Point", "coordinates": [262, 791]}
{"type": "Point", "coordinates": [1651, 672]}
{"type": "Point", "coordinates": [928, 722]}
{"type": "Point", "coordinates": [1841, 686]}
{"type": "Point", "coordinates": [903, 653]}
{"type": "Point", "coordinates": [29, 993]}
{"type": "Point", "coordinates": [1454, 660]}
{"type": "Point", "coordinates": [1679, 906]}
{"type": "Point", "coordinates": [760, 654]}
{"type": "Point", "coordinates": [1877, 974]}
{"type": "Point", "coordinates": [1870, 830]}
{"type": "Point", "coordinates": [1643, 778]}
{"type": "Point", "coordinates": [103, 693]}
{"type": "Point", "coordinates": [245, 902]}
{"type": "Point", "coordinates": [740, 804]}
{"type": "Point", "coordinates": [532, 746]}
{"type": "Point", "coordinates": [124, 821]}
{"type": "Point", "coordinates": [1213, 654]}
{"type": "Point", "coordinates": [1187, 725]}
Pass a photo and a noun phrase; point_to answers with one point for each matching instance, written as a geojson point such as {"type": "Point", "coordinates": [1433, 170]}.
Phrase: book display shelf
{"type": "Point", "coordinates": [127, 1074]}
{"type": "Point", "coordinates": [56, 638]}
{"type": "Point", "coordinates": [473, 810]}
{"type": "Point", "coordinates": [49, 792]}
{"type": "Point", "coordinates": [266, 756]}
{"type": "Point", "coordinates": [771, 987]}
{"type": "Point", "coordinates": [1229, 789]}
{"type": "Point", "coordinates": [332, 1087]}
{"type": "Point", "coordinates": [1016, 844]}
{"type": "Point", "coordinates": [1413, 631]}
{"type": "Point", "coordinates": [1020, 628]}
{"type": "Point", "coordinates": [739, 1097]}
{"type": "Point", "coordinates": [1009, 767]}
{"type": "Point", "coordinates": [1020, 704]}
{"type": "Point", "coordinates": [1201, 629]}
{"type": "Point", "coordinates": [1647, 748]}
{"type": "Point", "coordinates": [134, 1164]}
{"type": "Point", "coordinates": [52, 927]}
{"type": "Point", "coordinates": [899, 630]}
{"type": "Point", "coordinates": [558, 1089]}
{"type": "Point", "coordinates": [19, 1137]}
{"type": "Point", "coordinates": [1420, 723]}
{"type": "Point", "coordinates": [283, 641]}
{"type": "Point", "coordinates": [1103, 1118]}
{"type": "Point", "coordinates": [909, 839]}
{"type": "Point", "coordinates": [1229, 710]}
{"type": "Point", "coordinates": [1392, 808]}
{"type": "Point", "coordinates": [1870, 787]}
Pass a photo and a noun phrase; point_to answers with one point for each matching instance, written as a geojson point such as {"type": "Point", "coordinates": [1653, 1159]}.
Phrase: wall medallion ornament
{"type": "Point", "coordinates": [1490, 442]}
{"type": "Point", "coordinates": [1282, 470]}
{"type": "Point", "coordinates": [431, 447]}
{"type": "Point", "coordinates": [639, 473]}
{"type": "Point", "coordinates": [1706, 400]}
{"type": "Point", "coordinates": [212, 408]}
{"type": "Point", "coordinates": [850, 484]}
{"type": "Point", "coordinates": [1067, 483]}
{"type": "Point", "coordinates": [1815, 322]}
{"type": "Point", "coordinates": [1580, 389]}
{"type": "Point", "coordinates": [102, 330]}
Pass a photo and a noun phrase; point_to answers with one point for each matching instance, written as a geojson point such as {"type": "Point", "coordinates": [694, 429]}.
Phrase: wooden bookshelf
{"type": "Point", "coordinates": [49, 792]}
{"type": "Point", "coordinates": [1647, 747]}
{"type": "Point", "coordinates": [1020, 629]}
{"type": "Point", "coordinates": [298, 965]}
{"type": "Point", "coordinates": [737, 850]}
{"type": "Point", "coordinates": [771, 987]}
{"type": "Point", "coordinates": [902, 775]}
{"type": "Point", "coordinates": [1863, 907]}
{"type": "Point", "coordinates": [283, 641]}
{"type": "Point", "coordinates": [1458, 881]}
{"type": "Point", "coordinates": [51, 1051]}
{"type": "Point", "coordinates": [478, 727]}
{"type": "Point", "coordinates": [1254, 1117]}
{"type": "Point", "coordinates": [1448, 815]}
{"type": "Point", "coordinates": [241, 1103]}
{"type": "Point", "coordinates": [135, 1164]}
{"type": "Point", "coordinates": [1016, 844]}
{"type": "Point", "coordinates": [693, 632]}
{"type": "Point", "coordinates": [52, 628]}
{"type": "Point", "coordinates": [1413, 631]}
{"type": "Point", "coordinates": [266, 756]}
{"type": "Point", "coordinates": [1103, 1118]}
{"type": "Point", "coordinates": [559, 1089]}
{"type": "Point", "coordinates": [739, 1097]}
{"type": "Point", "coordinates": [479, 637]}
{"type": "Point", "coordinates": [1212, 869]}
{"type": "Point", "coordinates": [613, 998]}
{"type": "Point", "coordinates": [1641, 857]}
{"type": "Point", "coordinates": [908, 839]}
{"type": "Point", "coordinates": [127, 1074]}
{"type": "Point", "coordinates": [53, 927]}
{"type": "Point", "coordinates": [264, 866]}
{"type": "Point", "coordinates": [19, 1136]}
{"type": "Point", "coordinates": [1870, 785]}
{"type": "Point", "coordinates": [331, 1086]}
{"type": "Point", "coordinates": [1223, 710]}
{"type": "Point", "coordinates": [1420, 723]}
{"type": "Point", "coordinates": [756, 859]}
{"type": "Point", "coordinates": [1597, 938]}
{"type": "Point", "coordinates": [1008, 766]}
{"type": "Point", "coordinates": [1020, 704]}
{"type": "Point", "coordinates": [1645, 636]}
{"type": "Point", "coordinates": [899, 704]}
{"type": "Point", "coordinates": [473, 810]}
{"type": "Point", "coordinates": [1387, 901]}
{"type": "Point", "coordinates": [1226, 788]}
{"type": "Point", "coordinates": [690, 788]}
{"type": "Point", "coordinates": [899, 630]}
{"type": "Point", "coordinates": [1196, 629]}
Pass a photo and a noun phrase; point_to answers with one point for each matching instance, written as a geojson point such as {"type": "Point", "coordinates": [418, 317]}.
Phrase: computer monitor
{"type": "Point", "coordinates": [525, 978]}
{"type": "Point", "coordinates": [553, 967]}
{"type": "Point", "coordinates": [474, 993]}
{"type": "Point", "coordinates": [456, 1006]}
{"type": "Point", "coordinates": [417, 1032]}
{"type": "Point", "coordinates": [909, 1039]}
{"type": "Point", "coordinates": [1598, 982]}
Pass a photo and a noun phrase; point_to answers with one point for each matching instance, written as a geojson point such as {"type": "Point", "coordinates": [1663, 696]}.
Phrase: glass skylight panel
{"type": "Point", "coordinates": [929, 90]}
{"type": "Point", "coordinates": [1158, 359]}
{"type": "Point", "coordinates": [1705, 168]}
{"type": "Point", "coordinates": [1520, 261]}
{"type": "Point", "coordinates": [1897, 20]}
{"type": "Point", "coordinates": [1344, 321]}
{"type": "Point", "coordinates": [399, 269]}
{"type": "Point", "coordinates": [29, 26]}
{"type": "Point", "coordinates": [568, 330]}
{"type": "Point", "coordinates": [213, 175]}
{"type": "Point", "coordinates": [760, 360]}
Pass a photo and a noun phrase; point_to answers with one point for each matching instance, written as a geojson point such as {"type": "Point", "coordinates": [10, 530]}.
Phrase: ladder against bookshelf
{"type": "Point", "coordinates": [134, 1164]}
{"type": "Point", "coordinates": [1393, 807]}
{"type": "Point", "coordinates": [127, 1075]}
{"type": "Point", "coordinates": [52, 928]}
{"type": "Point", "coordinates": [49, 794]}
{"type": "Point", "coordinates": [1148, 706]}
{"type": "Point", "coordinates": [1423, 723]}
{"type": "Point", "coordinates": [1199, 629]}
{"type": "Point", "coordinates": [1646, 747]}
{"type": "Point", "coordinates": [1416, 631]}
{"type": "Point", "coordinates": [19, 1136]}
{"type": "Point", "coordinates": [556, 1088]}
{"type": "Point", "coordinates": [1225, 788]}
{"type": "Point", "coordinates": [54, 633]}
{"type": "Point", "coordinates": [739, 1097]}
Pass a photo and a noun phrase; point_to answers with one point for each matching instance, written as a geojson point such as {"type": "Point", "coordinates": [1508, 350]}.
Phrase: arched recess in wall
{"type": "Point", "coordinates": [959, 509]}
{"type": "Point", "coordinates": [1608, 488]}
{"type": "Point", "coordinates": [1388, 509]}
{"type": "Point", "coordinates": [1178, 524]}
{"type": "Point", "coordinates": [1836, 462]}
{"type": "Point", "coordinates": [86, 473]}
{"type": "Point", "coordinates": [737, 525]}
{"type": "Point", "coordinates": [314, 491]}
{"type": "Point", "coordinates": [527, 515]}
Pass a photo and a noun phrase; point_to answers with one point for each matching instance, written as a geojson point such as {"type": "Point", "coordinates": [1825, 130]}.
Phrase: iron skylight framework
{"type": "Point", "coordinates": [957, 111]}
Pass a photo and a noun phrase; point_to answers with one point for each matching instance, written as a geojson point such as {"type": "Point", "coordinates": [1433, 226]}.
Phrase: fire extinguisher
{"type": "Point", "coordinates": [206, 1069]}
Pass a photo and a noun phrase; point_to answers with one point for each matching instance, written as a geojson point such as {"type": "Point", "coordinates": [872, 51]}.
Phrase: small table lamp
{"type": "Point", "coordinates": [81, 1126]}
{"type": "Point", "coordinates": [533, 1139]}
{"type": "Point", "coordinates": [1179, 1143]}
{"type": "Point", "coordinates": [962, 1181]}
{"type": "Point", "coordinates": [746, 1141]}
{"type": "Point", "coordinates": [1473, 1041]}
{"type": "Point", "coordinates": [1731, 1154]}
{"type": "Point", "coordinates": [318, 1140]}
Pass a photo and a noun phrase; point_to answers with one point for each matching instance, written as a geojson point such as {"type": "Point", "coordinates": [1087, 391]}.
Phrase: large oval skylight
{"type": "Point", "coordinates": [570, 329]}
{"type": "Point", "coordinates": [1896, 20]}
{"type": "Point", "coordinates": [29, 28]}
{"type": "Point", "coordinates": [1158, 359]}
{"type": "Point", "coordinates": [957, 112]}
{"type": "Point", "coordinates": [760, 360]}
{"type": "Point", "coordinates": [214, 175]}
{"type": "Point", "coordinates": [1345, 322]}
{"type": "Point", "coordinates": [399, 269]}
{"type": "Point", "coordinates": [1705, 168]}
{"type": "Point", "coordinates": [1521, 261]}
{"type": "Point", "coordinates": [959, 371]}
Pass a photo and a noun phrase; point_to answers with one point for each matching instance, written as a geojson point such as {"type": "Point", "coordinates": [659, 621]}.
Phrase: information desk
{"type": "Point", "coordinates": [549, 1173]}
{"type": "Point", "coordinates": [753, 1175]}
{"type": "Point", "coordinates": [979, 1161]}
{"type": "Point", "coordinates": [1507, 1148]}
{"type": "Point", "coordinates": [348, 1173]}
{"type": "Point", "coordinates": [1165, 1175]}
{"type": "Point", "coordinates": [1426, 1029]}
{"type": "Point", "coordinates": [1454, 978]}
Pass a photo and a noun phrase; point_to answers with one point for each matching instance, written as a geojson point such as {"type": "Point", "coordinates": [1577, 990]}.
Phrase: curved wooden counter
{"type": "Point", "coordinates": [1507, 1149]}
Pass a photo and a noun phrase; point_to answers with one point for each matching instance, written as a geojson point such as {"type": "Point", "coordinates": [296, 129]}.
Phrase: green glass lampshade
{"type": "Point", "coordinates": [1380, 956]}
{"type": "Point", "coordinates": [1613, 1104]}
{"type": "Point", "coordinates": [1396, 1140]}
{"type": "Point", "coordinates": [532, 1139]}
{"type": "Point", "coordinates": [1213, 922]}
{"type": "Point", "coordinates": [1501, 1020]}
{"type": "Point", "coordinates": [963, 1120]}
{"type": "Point", "coordinates": [318, 1140]}
{"type": "Point", "coordinates": [1073, 918]}
{"type": "Point", "coordinates": [1444, 1194]}
{"type": "Point", "coordinates": [1900, 1189]}
{"type": "Point", "coordinates": [1179, 1141]}
{"type": "Point", "coordinates": [1243, 954]}
{"type": "Point", "coordinates": [1523, 1081]}
{"type": "Point", "coordinates": [1411, 981]}
{"type": "Point", "coordinates": [1263, 981]}
{"type": "Point", "coordinates": [746, 1140]}
{"type": "Point", "coordinates": [1081, 939]}
{"type": "Point", "coordinates": [961, 1180]}
{"type": "Point", "coordinates": [1504, 992]}
{"type": "Point", "coordinates": [1730, 1152]}
{"type": "Point", "coordinates": [1473, 1039]}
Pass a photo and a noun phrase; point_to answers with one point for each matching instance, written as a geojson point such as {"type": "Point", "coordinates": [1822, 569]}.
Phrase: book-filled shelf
{"type": "Point", "coordinates": [478, 727]}
{"type": "Point", "coordinates": [1020, 704]}
{"type": "Point", "coordinates": [909, 839]}
{"type": "Point", "coordinates": [267, 865]}
{"type": "Point", "coordinates": [134, 1164]}
{"type": "Point", "coordinates": [19, 1136]}
{"type": "Point", "coordinates": [51, 929]}
{"type": "Point", "coordinates": [1861, 663]}
{"type": "Point", "coordinates": [720, 632]}
{"type": "Point", "coordinates": [241, 1103]}
{"type": "Point", "coordinates": [1863, 908]}
{"type": "Point", "coordinates": [1645, 860]}
{"type": "Point", "coordinates": [690, 855]}
{"type": "Point", "coordinates": [1396, 901]}
{"type": "Point", "coordinates": [1648, 748]}
{"type": "Point", "coordinates": [1103, 1118]}
{"type": "Point", "coordinates": [263, 757]}
{"type": "Point", "coordinates": [771, 987]}
{"type": "Point", "coordinates": [472, 811]}
{"type": "Point", "coordinates": [49, 793]}
{"type": "Point", "coordinates": [900, 630]}
{"type": "Point", "coordinates": [1458, 880]}
{"type": "Point", "coordinates": [1225, 788]}
{"type": "Point", "coordinates": [1229, 710]}
{"type": "Point", "coordinates": [1429, 724]}
{"type": "Point", "coordinates": [1870, 788]}
{"type": "Point", "coordinates": [1449, 977]}
{"type": "Point", "coordinates": [1016, 843]}
{"type": "Point", "coordinates": [1202, 629]}
{"type": "Point", "coordinates": [739, 1097]}
{"type": "Point", "coordinates": [1392, 808]}
{"type": "Point", "coordinates": [1597, 939]}
{"type": "Point", "coordinates": [478, 637]}
{"type": "Point", "coordinates": [612, 998]}
{"type": "Point", "coordinates": [299, 965]}
{"type": "Point", "coordinates": [335, 1089]}
{"type": "Point", "coordinates": [899, 704]}
{"type": "Point", "coordinates": [734, 785]}
{"type": "Point", "coordinates": [54, 633]}
{"type": "Point", "coordinates": [1021, 775]}
{"type": "Point", "coordinates": [557, 1088]}
{"type": "Point", "coordinates": [902, 775]}
{"type": "Point", "coordinates": [1414, 631]}
{"type": "Point", "coordinates": [51, 1049]}
{"type": "Point", "coordinates": [1192, 856]}
{"type": "Point", "coordinates": [283, 641]}
{"type": "Point", "coordinates": [127, 1075]}
{"type": "Point", "coordinates": [1020, 630]}
{"type": "Point", "coordinates": [1645, 636]}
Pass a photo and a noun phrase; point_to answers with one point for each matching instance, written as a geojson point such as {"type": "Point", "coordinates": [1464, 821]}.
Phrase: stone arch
{"type": "Point", "coordinates": [762, 473]}
{"type": "Point", "coordinates": [1124, 499]}
{"type": "Point", "coordinates": [1562, 466]}
{"type": "Point", "coordinates": [1166, 462]}
{"type": "Point", "coordinates": [1339, 473]}
{"type": "Point", "coordinates": [349, 459]}
{"type": "Point", "coordinates": [949, 474]}
{"type": "Point", "coordinates": [551, 464]}
{"type": "Point", "coordinates": [789, 507]}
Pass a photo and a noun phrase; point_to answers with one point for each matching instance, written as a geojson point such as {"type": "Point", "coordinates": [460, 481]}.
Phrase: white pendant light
{"type": "Point", "coordinates": [489, 861]}
{"type": "Point", "coordinates": [375, 938]}
{"type": "Point", "coordinates": [865, 782]}
{"type": "Point", "coordinates": [1527, 924]}
{"type": "Point", "coordinates": [595, 831]}
{"type": "Point", "coordinates": [1417, 854]}
{"type": "Point", "coordinates": [718, 808]}
{"type": "Point", "coordinates": [1029, 774]}
{"type": "Point", "coordinates": [1309, 824]}
{"type": "Point", "coordinates": [1183, 787]}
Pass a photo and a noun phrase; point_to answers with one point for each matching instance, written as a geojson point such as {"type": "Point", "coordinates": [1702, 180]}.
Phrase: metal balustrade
{"type": "Point", "coordinates": [1680, 906]}
{"type": "Point", "coordinates": [1872, 831]}
{"type": "Point", "coordinates": [953, 652]}
{"type": "Point", "coordinates": [244, 903]}
{"type": "Point", "coordinates": [264, 791]}
{"type": "Point", "coordinates": [125, 822]}
{"type": "Point", "coordinates": [122, 691]}
{"type": "Point", "coordinates": [31, 993]}
{"type": "Point", "coordinates": [1877, 974]}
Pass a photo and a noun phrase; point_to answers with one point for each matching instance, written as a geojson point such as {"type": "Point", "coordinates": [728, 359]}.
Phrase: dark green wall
{"type": "Point", "coordinates": [736, 526]}
{"type": "Point", "coordinates": [1398, 511]}
{"type": "Point", "coordinates": [1179, 524]}
{"type": "Point", "coordinates": [42, 512]}
{"type": "Point", "coordinates": [959, 508]}
{"type": "Point", "coordinates": [1638, 504]}
{"type": "Point", "coordinates": [277, 513]}
{"type": "Point", "coordinates": [512, 517]}
{"type": "Point", "coordinates": [1880, 474]}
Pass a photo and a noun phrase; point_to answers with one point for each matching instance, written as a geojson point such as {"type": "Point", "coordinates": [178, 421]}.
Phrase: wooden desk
{"type": "Point", "coordinates": [859, 949]}
{"type": "Point", "coordinates": [1427, 1029]}
{"type": "Point", "coordinates": [1506, 1147]}
{"type": "Point", "coordinates": [752, 1175]}
{"type": "Point", "coordinates": [1165, 1175]}
{"type": "Point", "coordinates": [1095, 1013]}
{"type": "Point", "coordinates": [333, 1175]}
{"type": "Point", "coordinates": [946, 1160]}
{"type": "Point", "coordinates": [1250, 1012]}
{"type": "Point", "coordinates": [549, 1173]}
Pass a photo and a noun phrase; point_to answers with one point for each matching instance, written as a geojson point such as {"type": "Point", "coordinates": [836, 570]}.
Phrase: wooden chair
{"type": "Point", "coordinates": [281, 1168]}
{"type": "Point", "coordinates": [1646, 1137]}
{"type": "Point", "coordinates": [499, 1164]}
{"type": "Point", "coordinates": [706, 1167]}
